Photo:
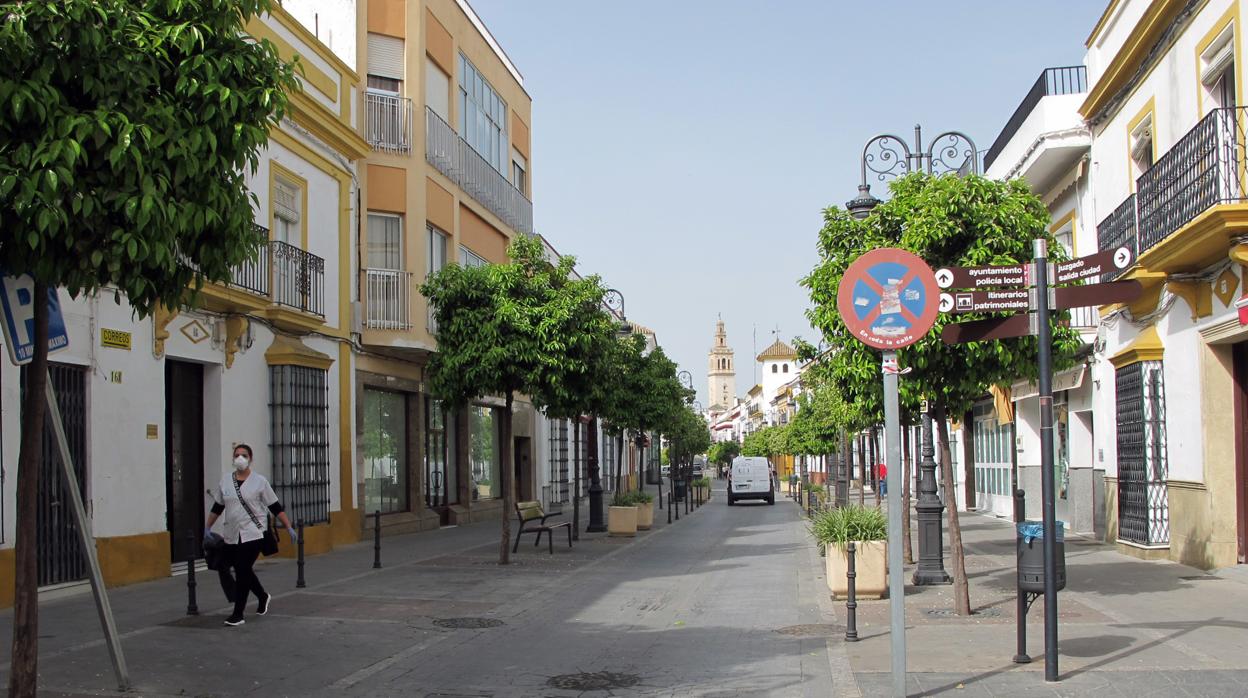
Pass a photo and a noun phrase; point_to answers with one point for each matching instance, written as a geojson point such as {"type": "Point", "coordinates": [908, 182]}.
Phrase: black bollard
{"type": "Point", "coordinates": [1020, 597]}
{"type": "Point", "coordinates": [377, 539]}
{"type": "Point", "coordinates": [192, 608]}
{"type": "Point", "coordinates": [851, 599]}
{"type": "Point", "coordinates": [299, 583]}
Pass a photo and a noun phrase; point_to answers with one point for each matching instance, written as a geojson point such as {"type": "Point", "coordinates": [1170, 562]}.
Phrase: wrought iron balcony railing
{"type": "Point", "coordinates": [1118, 230]}
{"type": "Point", "coordinates": [453, 157]}
{"type": "Point", "coordinates": [1085, 318]}
{"type": "Point", "coordinates": [298, 278]}
{"type": "Point", "coordinates": [388, 298]}
{"type": "Point", "coordinates": [1070, 80]}
{"type": "Point", "coordinates": [1204, 168]}
{"type": "Point", "coordinates": [253, 275]}
{"type": "Point", "coordinates": [388, 122]}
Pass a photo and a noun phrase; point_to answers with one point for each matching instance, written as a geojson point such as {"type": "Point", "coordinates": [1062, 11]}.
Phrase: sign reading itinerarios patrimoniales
{"type": "Point", "coordinates": [888, 298]}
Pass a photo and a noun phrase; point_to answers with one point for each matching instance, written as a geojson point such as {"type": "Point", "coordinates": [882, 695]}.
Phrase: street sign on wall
{"type": "Point", "coordinates": [888, 298]}
{"type": "Point", "coordinates": [1066, 297]}
{"type": "Point", "coordinates": [1018, 325]}
{"type": "Point", "coordinates": [17, 309]}
{"type": "Point", "coordinates": [1092, 265]}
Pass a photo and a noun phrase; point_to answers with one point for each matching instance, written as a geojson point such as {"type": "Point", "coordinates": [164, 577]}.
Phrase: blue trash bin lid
{"type": "Point", "coordinates": [1034, 530]}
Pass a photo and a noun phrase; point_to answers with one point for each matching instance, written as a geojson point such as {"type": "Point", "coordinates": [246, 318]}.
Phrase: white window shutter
{"type": "Point", "coordinates": [385, 56]}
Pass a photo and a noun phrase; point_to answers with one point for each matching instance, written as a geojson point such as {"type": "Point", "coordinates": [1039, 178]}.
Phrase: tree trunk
{"type": "Point", "coordinates": [641, 462]}
{"type": "Point", "coordinates": [875, 462]}
{"type": "Point", "coordinates": [620, 466]}
{"type": "Point", "coordinates": [842, 471]}
{"type": "Point", "coordinates": [506, 471]}
{"type": "Point", "coordinates": [24, 671]}
{"type": "Point", "coordinates": [907, 551]}
{"type": "Point", "coordinates": [961, 590]}
{"type": "Point", "coordinates": [968, 459]}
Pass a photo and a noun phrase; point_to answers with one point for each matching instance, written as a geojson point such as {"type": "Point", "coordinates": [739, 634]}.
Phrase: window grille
{"type": "Point", "coordinates": [299, 411]}
{"type": "Point", "coordinates": [559, 459]}
{"type": "Point", "coordinates": [1143, 507]}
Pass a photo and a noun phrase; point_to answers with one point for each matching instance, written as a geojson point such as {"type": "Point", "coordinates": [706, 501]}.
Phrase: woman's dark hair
{"type": "Point", "coordinates": [246, 448]}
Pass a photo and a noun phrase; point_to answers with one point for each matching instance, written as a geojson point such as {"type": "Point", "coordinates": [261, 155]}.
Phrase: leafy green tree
{"type": "Point", "coordinates": [947, 221]}
{"type": "Point", "coordinates": [646, 395]}
{"type": "Point", "coordinates": [689, 435]}
{"type": "Point", "coordinates": [526, 327]}
{"type": "Point", "coordinates": [723, 452]}
{"type": "Point", "coordinates": [126, 130]}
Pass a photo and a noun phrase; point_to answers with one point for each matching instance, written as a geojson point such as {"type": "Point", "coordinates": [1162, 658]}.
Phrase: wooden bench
{"type": "Point", "coordinates": [533, 520]}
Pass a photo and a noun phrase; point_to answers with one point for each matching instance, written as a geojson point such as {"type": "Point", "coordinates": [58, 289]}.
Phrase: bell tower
{"type": "Point", "coordinates": [721, 374]}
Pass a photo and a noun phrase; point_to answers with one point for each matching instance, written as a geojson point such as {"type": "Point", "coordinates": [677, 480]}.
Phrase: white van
{"type": "Point", "coordinates": [750, 478]}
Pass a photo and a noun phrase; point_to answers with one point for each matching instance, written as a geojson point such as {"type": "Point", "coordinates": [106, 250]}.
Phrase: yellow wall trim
{"type": "Point", "coordinates": [1100, 23]}
{"type": "Point", "coordinates": [289, 351]}
{"type": "Point", "coordinates": [1148, 111]}
{"type": "Point", "coordinates": [277, 171]}
{"type": "Point", "coordinates": [131, 559]}
{"type": "Point", "coordinates": [311, 115]}
{"type": "Point", "coordinates": [1198, 294]}
{"type": "Point", "coordinates": [1157, 18]}
{"type": "Point", "coordinates": [1204, 241]}
{"type": "Point", "coordinates": [321, 50]}
{"type": "Point", "coordinates": [309, 73]}
{"type": "Point", "coordinates": [1229, 18]}
{"type": "Point", "coordinates": [1146, 347]}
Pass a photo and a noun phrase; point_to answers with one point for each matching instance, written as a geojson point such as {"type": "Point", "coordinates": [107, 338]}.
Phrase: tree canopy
{"type": "Point", "coordinates": [722, 452]}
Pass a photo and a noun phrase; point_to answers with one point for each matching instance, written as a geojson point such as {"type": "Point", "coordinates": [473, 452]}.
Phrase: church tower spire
{"type": "Point", "coordinates": [721, 376]}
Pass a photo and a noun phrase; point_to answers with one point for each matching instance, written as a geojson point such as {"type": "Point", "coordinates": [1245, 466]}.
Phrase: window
{"type": "Point", "coordinates": [385, 63]}
{"type": "Point", "coordinates": [482, 116]}
{"type": "Point", "coordinates": [1142, 145]}
{"type": "Point", "coordinates": [519, 171]}
{"type": "Point", "coordinates": [437, 90]}
{"type": "Point", "coordinates": [385, 241]}
{"type": "Point", "coordinates": [786, 368]}
{"type": "Point", "coordinates": [287, 204]}
{"type": "Point", "coordinates": [483, 454]}
{"type": "Point", "coordinates": [299, 425]}
{"type": "Point", "coordinates": [436, 259]}
{"type": "Point", "coordinates": [558, 461]}
{"type": "Point", "coordinates": [441, 484]}
{"type": "Point", "coordinates": [385, 451]}
{"type": "Point", "coordinates": [1143, 464]}
{"type": "Point", "coordinates": [468, 258]}
{"type": "Point", "coordinates": [1217, 70]}
{"type": "Point", "coordinates": [775, 368]}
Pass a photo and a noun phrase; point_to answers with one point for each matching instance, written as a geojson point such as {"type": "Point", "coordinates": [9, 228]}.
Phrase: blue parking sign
{"type": "Point", "coordinates": [18, 310]}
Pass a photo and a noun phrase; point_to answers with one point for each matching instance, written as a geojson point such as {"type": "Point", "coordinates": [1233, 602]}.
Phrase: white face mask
{"type": "Point", "coordinates": [241, 463]}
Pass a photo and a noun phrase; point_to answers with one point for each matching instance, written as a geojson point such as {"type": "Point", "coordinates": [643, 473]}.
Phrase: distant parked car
{"type": "Point", "coordinates": [665, 470]}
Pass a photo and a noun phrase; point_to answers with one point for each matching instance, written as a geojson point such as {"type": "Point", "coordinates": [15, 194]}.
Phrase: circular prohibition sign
{"type": "Point", "coordinates": [888, 298]}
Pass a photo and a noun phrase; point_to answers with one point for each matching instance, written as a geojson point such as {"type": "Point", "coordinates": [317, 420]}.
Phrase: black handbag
{"type": "Point", "coordinates": [268, 542]}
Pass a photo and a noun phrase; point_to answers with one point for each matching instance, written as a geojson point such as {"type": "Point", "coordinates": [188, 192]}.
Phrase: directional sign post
{"type": "Point", "coordinates": [889, 298]}
{"type": "Point", "coordinates": [984, 277]}
{"type": "Point", "coordinates": [17, 305]}
{"type": "Point", "coordinates": [1092, 265]}
{"type": "Point", "coordinates": [1009, 300]}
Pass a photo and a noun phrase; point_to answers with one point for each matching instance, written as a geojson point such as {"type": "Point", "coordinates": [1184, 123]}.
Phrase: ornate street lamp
{"type": "Point", "coordinates": [887, 157]}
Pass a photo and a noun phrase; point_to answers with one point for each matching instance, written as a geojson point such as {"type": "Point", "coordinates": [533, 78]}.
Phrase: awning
{"type": "Point", "coordinates": [1069, 379]}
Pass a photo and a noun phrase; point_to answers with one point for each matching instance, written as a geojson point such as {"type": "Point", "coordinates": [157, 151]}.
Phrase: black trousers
{"type": "Point", "coordinates": [241, 557]}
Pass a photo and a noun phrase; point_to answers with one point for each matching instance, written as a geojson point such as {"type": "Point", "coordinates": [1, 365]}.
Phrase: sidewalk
{"type": "Point", "coordinates": [349, 615]}
{"type": "Point", "coordinates": [1126, 627]}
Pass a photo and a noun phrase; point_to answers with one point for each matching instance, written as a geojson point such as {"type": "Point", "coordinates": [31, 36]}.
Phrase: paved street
{"type": "Point", "coordinates": [690, 609]}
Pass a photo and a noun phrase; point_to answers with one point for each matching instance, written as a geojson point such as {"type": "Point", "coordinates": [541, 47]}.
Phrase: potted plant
{"type": "Point", "coordinates": [644, 502]}
{"type": "Point", "coordinates": [867, 529]}
{"type": "Point", "coordinates": [622, 515]}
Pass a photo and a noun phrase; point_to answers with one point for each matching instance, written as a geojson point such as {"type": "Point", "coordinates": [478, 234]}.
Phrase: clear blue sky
{"type": "Point", "coordinates": [684, 149]}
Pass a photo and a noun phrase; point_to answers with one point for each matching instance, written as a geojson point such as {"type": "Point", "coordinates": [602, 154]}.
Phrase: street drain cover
{"type": "Point", "coordinates": [593, 681]}
{"type": "Point", "coordinates": [950, 613]}
{"type": "Point", "coordinates": [469, 623]}
{"type": "Point", "coordinates": [811, 630]}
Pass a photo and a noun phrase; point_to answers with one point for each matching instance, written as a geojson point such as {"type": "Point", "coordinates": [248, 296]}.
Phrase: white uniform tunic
{"type": "Point", "coordinates": [234, 524]}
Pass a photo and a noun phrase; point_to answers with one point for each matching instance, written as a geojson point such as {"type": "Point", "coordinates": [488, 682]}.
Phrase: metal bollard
{"type": "Point", "coordinates": [1020, 597]}
{"type": "Point", "coordinates": [377, 539]}
{"type": "Point", "coordinates": [192, 608]}
{"type": "Point", "coordinates": [299, 583]}
{"type": "Point", "coordinates": [851, 599]}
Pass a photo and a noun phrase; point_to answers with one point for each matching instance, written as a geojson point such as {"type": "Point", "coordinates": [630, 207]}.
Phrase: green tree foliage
{"type": "Point", "coordinates": [688, 434]}
{"type": "Point", "coordinates": [769, 442]}
{"type": "Point", "coordinates": [723, 452]}
{"type": "Point", "coordinates": [645, 395]}
{"type": "Point", "coordinates": [126, 131]}
{"type": "Point", "coordinates": [526, 327]}
{"type": "Point", "coordinates": [947, 221]}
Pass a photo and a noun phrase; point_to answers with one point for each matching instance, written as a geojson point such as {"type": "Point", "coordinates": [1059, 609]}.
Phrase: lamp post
{"type": "Point", "coordinates": [886, 157]}
{"type": "Point", "coordinates": [614, 302]}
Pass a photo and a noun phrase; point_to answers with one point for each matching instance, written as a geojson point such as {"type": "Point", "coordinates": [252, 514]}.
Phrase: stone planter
{"type": "Point", "coordinates": [870, 564]}
{"type": "Point", "coordinates": [622, 521]}
{"type": "Point", "coordinates": [645, 516]}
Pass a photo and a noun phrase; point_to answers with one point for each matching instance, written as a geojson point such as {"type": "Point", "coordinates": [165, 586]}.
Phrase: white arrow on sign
{"type": "Point", "coordinates": [946, 300]}
{"type": "Point", "coordinates": [1122, 257]}
{"type": "Point", "coordinates": [944, 278]}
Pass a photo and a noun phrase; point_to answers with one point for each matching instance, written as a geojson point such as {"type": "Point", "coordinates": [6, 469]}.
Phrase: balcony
{"type": "Point", "coordinates": [1085, 318]}
{"type": "Point", "coordinates": [1031, 123]}
{"type": "Point", "coordinates": [1204, 169]}
{"type": "Point", "coordinates": [298, 278]}
{"type": "Point", "coordinates": [453, 157]}
{"type": "Point", "coordinates": [282, 282]}
{"type": "Point", "coordinates": [388, 299]}
{"type": "Point", "coordinates": [388, 122]}
{"type": "Point", "coordinates": [1118, 230]}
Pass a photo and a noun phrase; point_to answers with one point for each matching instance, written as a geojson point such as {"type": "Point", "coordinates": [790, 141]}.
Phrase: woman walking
{"type": "Point", "coordinates": [239, 501]}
